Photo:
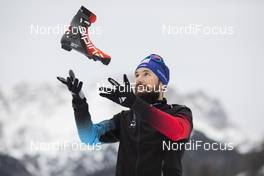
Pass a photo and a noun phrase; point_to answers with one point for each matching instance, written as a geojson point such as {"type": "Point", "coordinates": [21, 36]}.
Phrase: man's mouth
{"type": "Point", "coordinates": [142, 88]}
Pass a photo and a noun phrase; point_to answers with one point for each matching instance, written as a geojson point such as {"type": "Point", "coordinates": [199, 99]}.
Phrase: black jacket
{"type": "Point", "coordinates": [141, 148]}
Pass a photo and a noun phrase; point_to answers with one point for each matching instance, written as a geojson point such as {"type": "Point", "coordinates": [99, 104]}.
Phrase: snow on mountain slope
{"type": "Point", "coordinates": [37, 126]}
{"type": "Point", "coordinates": [210, 118]}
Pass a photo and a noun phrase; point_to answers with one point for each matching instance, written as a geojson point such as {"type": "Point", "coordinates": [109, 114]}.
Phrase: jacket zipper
{"type": "Point", "coordinates": [138, 139]}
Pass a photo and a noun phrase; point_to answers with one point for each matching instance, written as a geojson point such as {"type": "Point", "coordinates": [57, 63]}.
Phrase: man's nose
{"type": "Point", "coordinates": [138, 81]}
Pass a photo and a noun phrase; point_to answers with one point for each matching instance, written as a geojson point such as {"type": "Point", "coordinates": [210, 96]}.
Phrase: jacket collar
{"type": "Point", "coordinates": [160, 103]}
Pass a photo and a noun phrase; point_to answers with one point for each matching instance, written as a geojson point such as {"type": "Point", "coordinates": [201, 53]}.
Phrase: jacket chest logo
{"type": "Point", "coordinates": [133, 122]}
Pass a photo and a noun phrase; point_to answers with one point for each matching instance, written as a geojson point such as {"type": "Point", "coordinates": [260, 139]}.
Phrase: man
{"type": "Point", "coordinates": [142, 130]}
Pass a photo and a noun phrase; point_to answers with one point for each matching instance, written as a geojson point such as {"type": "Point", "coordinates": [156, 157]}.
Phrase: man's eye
{"type": "Point", "coordinates": [136, 76]}
{"type": "Point", "coordinates": [146, 74]}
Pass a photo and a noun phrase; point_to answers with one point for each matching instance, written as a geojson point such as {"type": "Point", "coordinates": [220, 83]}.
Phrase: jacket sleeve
{"type": "Point", "coordinates": [177, 126]}
{"type": "Point", "coordinates": [106, 131]}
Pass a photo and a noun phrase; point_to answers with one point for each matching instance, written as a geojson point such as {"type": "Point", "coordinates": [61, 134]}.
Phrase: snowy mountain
{"type": "Point", "coordinates": [37, 128]}
{"type": "Point", "coordinates": [35, 124]}
{"type": "Point", "coordinates": [211, 118]}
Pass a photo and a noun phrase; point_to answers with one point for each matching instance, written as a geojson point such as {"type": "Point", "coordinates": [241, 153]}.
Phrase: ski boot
{"type": "Point", "coordinates": [77, 37]}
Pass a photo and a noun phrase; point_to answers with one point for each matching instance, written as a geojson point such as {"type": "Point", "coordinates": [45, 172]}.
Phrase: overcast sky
{"type": "Point", "coordinates": [227, 65]}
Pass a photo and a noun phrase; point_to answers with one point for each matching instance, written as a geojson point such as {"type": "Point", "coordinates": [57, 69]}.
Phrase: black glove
{"type": "Point", "coordinates": [73, 84]}
{"type": "Point", "coordinates": [120, 94]}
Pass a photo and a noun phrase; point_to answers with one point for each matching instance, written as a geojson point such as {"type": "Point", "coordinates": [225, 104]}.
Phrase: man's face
{"type": "Point", "coordinates": [146, 82]}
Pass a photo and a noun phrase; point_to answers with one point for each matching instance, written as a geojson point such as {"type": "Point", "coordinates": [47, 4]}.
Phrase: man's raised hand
{"type": "Point", "coordinates": [73, 84]}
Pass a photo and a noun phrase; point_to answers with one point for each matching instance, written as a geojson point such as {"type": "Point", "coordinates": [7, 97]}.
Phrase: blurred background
{"type": "Point", "coordinates": [214, 50]}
